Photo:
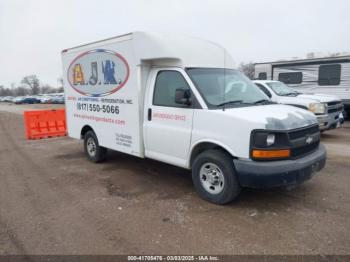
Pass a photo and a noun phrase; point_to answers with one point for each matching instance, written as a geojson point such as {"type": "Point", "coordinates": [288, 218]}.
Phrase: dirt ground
{"type": "Point", "coordinates": [53, 201]}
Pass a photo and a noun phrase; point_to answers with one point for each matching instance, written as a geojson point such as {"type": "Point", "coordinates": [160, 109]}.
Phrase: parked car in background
{"type": "Point", "coordinates": [44, 99]}
{"type": "Point", "coordinates": [327, 108]}
{"type": "Point", "coordinates": [18, 100]}
{"type": "Point", "coordinates": [60, 100]}
{"type": "Point", "coordinates": [26, 100]}
{"type": "Point", "coordinates": [6, 99]}
{"type": "Point", "coordinates": [57, 100]}
{"type": "Point", "coordinates": [31, 100]}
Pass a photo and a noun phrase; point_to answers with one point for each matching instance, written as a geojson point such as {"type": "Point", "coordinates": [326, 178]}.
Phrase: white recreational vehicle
{"type": "Point", "coordinates": [329, 75]}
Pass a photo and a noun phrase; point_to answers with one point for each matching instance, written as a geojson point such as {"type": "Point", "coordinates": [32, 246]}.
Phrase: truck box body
{"type": "Point", "coordinates": [130, 56]}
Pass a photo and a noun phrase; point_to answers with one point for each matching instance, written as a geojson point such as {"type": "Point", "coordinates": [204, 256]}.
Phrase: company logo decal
{"type": "Point", "coordinates": [98, 72]}
{"type": "Point", "coordinates": [309, 140]}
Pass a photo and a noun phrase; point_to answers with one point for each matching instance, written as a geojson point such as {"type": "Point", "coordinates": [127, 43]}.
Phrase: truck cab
{"type": "Point", "coordinates": [180, 100]}
{"type": "Point", "coordinates": [327, 108]}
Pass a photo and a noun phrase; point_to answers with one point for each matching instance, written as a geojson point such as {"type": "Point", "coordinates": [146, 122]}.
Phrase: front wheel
{"type": "Point", "coordinates": [214, 177]}
{"type": "Point", "coordinates": [93, 150]}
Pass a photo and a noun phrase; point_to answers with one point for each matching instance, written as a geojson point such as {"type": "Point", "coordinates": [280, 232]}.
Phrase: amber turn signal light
{"type": "Point", "coordinates": [261, 154]}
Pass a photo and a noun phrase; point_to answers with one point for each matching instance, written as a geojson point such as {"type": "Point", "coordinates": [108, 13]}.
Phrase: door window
{"type": "Point", "coordinates": [165, 88]}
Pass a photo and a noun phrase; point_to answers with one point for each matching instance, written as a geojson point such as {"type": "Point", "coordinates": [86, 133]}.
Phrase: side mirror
{"type": "Point", "coordinates": [183, 96]}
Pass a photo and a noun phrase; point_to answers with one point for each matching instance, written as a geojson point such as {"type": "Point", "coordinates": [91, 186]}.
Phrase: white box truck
{"type": "Point", "coordinates": [179, 100]}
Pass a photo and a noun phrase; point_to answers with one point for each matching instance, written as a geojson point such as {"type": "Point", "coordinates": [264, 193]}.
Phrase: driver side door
{"type": "Point", "coordinates": [168, 125]}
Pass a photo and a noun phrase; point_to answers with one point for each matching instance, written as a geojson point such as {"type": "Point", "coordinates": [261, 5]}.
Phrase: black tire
{"type": "Point", "coordinates": [230, 189]}
{"type": "Point", "coordinates": [99, 154]}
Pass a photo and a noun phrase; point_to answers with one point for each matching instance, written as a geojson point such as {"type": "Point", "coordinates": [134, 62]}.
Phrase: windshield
{"type": "Point", "coordinates": [281, 89]}
{"type": "Point", "coordinates": [221, 87]}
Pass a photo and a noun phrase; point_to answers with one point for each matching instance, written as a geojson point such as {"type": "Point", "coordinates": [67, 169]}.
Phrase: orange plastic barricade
{"type": "Point", "coordinates": [45, 123]}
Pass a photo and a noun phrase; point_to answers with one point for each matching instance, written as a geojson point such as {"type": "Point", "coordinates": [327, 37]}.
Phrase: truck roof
{"type": "Point", "coordinates": [159, 48]}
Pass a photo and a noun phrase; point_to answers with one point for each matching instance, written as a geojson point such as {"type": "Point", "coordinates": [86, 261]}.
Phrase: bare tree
{"type": "Point", "coordinates": [60, 85]}
{"type": "Point", "coordinates": [33, 83]}
{"type": "Point", "coordinates": [60, 81]}
{"type": "Point", "coordinates": [14, 90]}
{"type": "Point", "coordinates": [46, 89]}
{"type": "Point", "coordinates": [5, 91]}
{"type": "Point", "coordinates": [247, 69]}
{"type": "Point", "coordinates": [21, 91]}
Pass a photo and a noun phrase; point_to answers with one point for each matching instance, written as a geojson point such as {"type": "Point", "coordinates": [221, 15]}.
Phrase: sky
{"type": "Point", "coordinates": [33, 32]}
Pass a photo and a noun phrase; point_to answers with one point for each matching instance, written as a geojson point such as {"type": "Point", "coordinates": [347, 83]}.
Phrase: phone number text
{"type": "Point", "coordinates": [111, 109]}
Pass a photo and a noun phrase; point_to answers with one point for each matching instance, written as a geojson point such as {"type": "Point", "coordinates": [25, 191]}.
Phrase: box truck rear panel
{"type": "Point", "coordinates": [102, 93]}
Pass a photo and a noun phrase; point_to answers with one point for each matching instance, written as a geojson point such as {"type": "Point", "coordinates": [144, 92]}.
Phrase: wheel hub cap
{"type": "Point", "coordinates": [91, 147]}
{"type": "Point", "coordinates": [211, 178]}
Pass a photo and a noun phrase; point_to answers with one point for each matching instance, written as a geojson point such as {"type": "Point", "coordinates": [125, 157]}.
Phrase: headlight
{"type": "Point", "coordinates": [270, 139]}
{"type": "Point", "coordinates": [317, 108]}
{"type": "Point", "coordinates": [269, 145]}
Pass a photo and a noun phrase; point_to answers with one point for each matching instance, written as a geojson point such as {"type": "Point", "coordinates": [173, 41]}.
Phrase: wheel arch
{"type": "Point", "coordinates": [204, 145]}
{"type": "Point", "coordinates": [84, 130]}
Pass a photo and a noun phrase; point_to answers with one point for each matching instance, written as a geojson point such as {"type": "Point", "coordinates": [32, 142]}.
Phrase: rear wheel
{"type": "Point", "coordinates": [93, 151]}
{"type": "Point", "coordinates": [214, 177]}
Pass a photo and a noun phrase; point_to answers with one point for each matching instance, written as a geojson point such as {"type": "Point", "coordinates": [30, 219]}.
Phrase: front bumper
{"type": "Point", "coordinates": [269, 174]}
{"type": "Point", "coordinates": [330, 121]}
{"type": "Point", "coordinates": [346, 103]}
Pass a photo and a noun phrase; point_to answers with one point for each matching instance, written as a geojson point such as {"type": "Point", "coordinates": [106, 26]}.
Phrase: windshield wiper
{"type": "Point", "coordinates": [263, 101]}
{"type": "Point", "coordinates": [290, 94]}
{"type": "Point", "coordinates": [231, 102]}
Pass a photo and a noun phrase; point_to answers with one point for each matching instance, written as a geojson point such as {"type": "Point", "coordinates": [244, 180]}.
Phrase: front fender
{"type": "Point", "coordinates": [211, 141]}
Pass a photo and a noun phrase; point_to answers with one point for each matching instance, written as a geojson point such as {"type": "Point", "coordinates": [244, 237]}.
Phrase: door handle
{"type": "Point", "coordinates": [149, 114]}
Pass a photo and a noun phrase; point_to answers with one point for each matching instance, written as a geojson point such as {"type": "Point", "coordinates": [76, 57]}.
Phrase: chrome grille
{"type": "Point", "coordinates": [304, 140]}
{"type": "Point", "coordinates": [334, 106]}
